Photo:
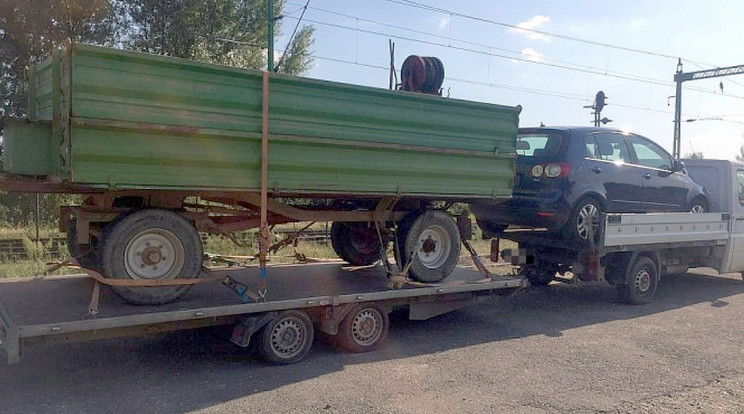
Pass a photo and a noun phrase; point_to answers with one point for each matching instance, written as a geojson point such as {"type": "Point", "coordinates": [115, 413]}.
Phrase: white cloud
{"type": "Point", "coordinates": [532, 54]}
{"type": "Point", "coordinates": [443, 22]}
{"type": "Point", "coordinates": [533, 23]}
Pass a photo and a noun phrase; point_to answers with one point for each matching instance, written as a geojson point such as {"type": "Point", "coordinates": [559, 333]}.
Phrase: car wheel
{"type": "Point", "coordinates": [698, 206]}
{"type": "Point", "coordinates": [585, 219]}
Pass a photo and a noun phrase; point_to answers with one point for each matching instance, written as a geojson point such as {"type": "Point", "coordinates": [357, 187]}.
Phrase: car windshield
{"type": "Point", "coordinates": [538, 144]}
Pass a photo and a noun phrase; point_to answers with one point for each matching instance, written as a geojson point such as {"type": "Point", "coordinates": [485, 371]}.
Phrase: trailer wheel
{"type": "Point", "coordinates": [363, 329]}
{"type": "Point", "coordinates": [434, 240]}
{"type": "Point", "coordinates": [287, 338]}
{"type": "Point", "coordinates": [641, 284]}
{"type": "Point", "coordinates": [356, 243]}
{"type": "Point", "coordinates": [89, 256]}
{"type": "Point", "coordinates": [152, 245]}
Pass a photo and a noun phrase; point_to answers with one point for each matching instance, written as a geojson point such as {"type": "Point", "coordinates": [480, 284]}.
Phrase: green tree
{"type": "Point", "coordinates": [30, 29]}
{"type": "Point", "coordinates": [740, 156]}
{"type": "Point", "coordinates": [694, 155]}
{"type": "Point", "coordinates": [228, 32]}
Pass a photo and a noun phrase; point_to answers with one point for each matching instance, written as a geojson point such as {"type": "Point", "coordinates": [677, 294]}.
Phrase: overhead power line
{"type": "Point", "coordinates": [566, 66]}
{"type": "Point", "coordinates": [422, 6]}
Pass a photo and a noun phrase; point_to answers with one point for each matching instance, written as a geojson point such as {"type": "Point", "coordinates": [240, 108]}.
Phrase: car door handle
{"type": "Point", "coordinates": [647, 176]}
{"type": "Point", "coordinates": [597, 170]}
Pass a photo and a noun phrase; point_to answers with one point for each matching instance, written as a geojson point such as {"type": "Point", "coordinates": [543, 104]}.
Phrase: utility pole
{"type": "Point", "coordinates": [680, 77]}
{"type": "Point", "coordinates": [270, 35]}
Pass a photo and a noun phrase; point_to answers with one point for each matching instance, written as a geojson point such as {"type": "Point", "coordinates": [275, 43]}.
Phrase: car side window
{"type": "Point", "coordinates": [650, 154]}
{"type": "Point", "coordinates": [607, 146]}
{"type": "Point", "coordinates": [591, 147]}
{"type": "Point", "coordinates": [740, 186]}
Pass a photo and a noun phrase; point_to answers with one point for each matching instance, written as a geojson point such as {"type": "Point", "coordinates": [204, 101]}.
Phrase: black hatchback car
{"type": "Point", "coordinates": [567, 176]}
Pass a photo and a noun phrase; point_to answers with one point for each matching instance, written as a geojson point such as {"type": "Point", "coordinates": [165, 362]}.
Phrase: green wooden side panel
{"type": "Point", "coordinates": [145, 121]}
{"type": "Point", "coordinates": [20, 136]}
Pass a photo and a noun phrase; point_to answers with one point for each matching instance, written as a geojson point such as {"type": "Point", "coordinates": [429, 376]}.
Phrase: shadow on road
{"type": "Point", "coordinates": [193, 370]}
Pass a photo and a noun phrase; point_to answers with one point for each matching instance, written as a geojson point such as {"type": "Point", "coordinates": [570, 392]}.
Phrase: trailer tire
{"type": "Point", "coordinates": [436, 240]}
{"type": "Point", "coordinates": [152, 244]}
{"type": "Point", "coordinates": [356, 243]}
{"type": "Point", "coordinates": [640, 285]}
{"type": "Point", "coordinates": [363, 329]}
{"type": "Point", "coordinates": [287, 338]}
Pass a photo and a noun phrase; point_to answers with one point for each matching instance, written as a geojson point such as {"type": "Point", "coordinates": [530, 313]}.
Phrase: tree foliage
{"type": "Point", "coordinates": [30, 29]}
{"type": "Point", "coordinates": [228, 32]}
{"type": "Point", "coordinates": [695, 155]}
{"type": "Point", "coordinates": [740, 156]}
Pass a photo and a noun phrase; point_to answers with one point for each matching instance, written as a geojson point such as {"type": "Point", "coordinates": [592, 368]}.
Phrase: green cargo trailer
{"type": "Point", "coordinates": [143, 136]}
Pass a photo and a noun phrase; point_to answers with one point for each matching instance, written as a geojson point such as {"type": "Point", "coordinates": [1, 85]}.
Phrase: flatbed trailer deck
{"type": "Point", "coordinates": [55, 309]}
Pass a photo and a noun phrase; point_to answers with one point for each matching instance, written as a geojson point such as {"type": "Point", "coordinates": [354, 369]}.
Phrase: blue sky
{"type": "Point", "coordinates": [552, 77]}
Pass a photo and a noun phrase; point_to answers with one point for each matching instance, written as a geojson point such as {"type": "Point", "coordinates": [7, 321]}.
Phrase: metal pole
{"type": "Point", "coordinates": [263, 235]}
{"type": "Point", "coordinates": [678, 113]}
{"type": "Point", "coordinates": [270, 35]}
{"type": "Point", "coordinates": [38, 209]}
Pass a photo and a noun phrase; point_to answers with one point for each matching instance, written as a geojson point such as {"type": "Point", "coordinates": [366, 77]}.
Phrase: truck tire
{"type": "Point", "coordinates": [640, 286]}
{"type": "Point", "coordinates": [539, 276]}
{"type": "Point", "coordinates": [363, 329]}
{"type": "Point", "coordinates": [434, 241]}
{"type": "Point", "coordinates": [87, 256]}
{"type": "Point", "coordinates": [154, 245]}
{"type": "Point", "coordinates": [356, 243]}
{"type": "Point", "coordinates": [287, 338]}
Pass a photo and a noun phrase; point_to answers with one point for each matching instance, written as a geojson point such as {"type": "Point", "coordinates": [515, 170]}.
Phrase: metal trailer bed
{"type": "Point", "coordinates": [55, 309]}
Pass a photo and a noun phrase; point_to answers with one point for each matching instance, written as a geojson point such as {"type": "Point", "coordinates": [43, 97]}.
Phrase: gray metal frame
{"type": "Point", "coordinates": [14, 336]}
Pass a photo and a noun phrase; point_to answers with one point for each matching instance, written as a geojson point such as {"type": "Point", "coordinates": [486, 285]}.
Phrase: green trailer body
{"type": "Point", "coordinates": [114, 119]}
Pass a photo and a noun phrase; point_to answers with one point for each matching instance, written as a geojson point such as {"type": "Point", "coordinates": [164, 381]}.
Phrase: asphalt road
{"type": "Point", "coordinates": [564, 348]}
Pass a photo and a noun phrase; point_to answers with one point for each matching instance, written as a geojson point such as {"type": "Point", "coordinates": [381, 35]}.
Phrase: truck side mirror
{"type": "Point", "coordinates": [678, 166]}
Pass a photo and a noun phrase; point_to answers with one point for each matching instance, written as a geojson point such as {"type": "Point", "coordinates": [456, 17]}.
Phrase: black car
{"type": "Point", "coordinates": [567, 176]}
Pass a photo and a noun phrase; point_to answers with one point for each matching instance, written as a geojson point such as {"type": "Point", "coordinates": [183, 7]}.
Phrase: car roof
{"type": "Point", "coordinates": [576, 129]}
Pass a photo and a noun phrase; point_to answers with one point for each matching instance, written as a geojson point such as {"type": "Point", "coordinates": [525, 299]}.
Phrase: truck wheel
{"type": "Point", "coordinates": [641, 285]}
{"type": "Point", "coordinates": [87, 256]}
{"type": "Point", "coordinates": [363, 329]}
{"type": "Point", "coordinates": [152, 245]}
{"type": "Point", "coordinates": [287, 338]}
{"type": "Point", "coordinates": [539, 277]}
{"type": "Point", "coordinates": [355, 242]}
{"type": "Point", "coordinates": [435, 242]}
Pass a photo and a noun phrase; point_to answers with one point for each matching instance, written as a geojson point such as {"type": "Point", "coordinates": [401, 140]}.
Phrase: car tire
{"type": "Point", "coordinates": [586, 211]}
{"type": "Point", "coordinates": [698, 206]}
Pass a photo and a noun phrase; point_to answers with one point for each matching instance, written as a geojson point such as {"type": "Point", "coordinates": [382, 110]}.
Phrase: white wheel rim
{"type": "Point", "coordinates": [588, 216]}
{"type": "Point", "coordinates": [697, 208]}
{"type": "Point", "coordinates": [366, 328]}
{"type": "Point", "coordinates": [288, 338]}
{"type": "Point", "coordinates": [154, 254]}
{"type": "Point", "coordinates": [434, 247]}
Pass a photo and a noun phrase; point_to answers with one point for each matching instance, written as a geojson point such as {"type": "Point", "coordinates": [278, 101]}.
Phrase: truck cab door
{"type": "Point", "coordinates": [736, 250]}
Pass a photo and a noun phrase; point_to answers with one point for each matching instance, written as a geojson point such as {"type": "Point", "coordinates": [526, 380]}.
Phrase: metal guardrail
{"type": "Point", "coordinates": [16, 250]}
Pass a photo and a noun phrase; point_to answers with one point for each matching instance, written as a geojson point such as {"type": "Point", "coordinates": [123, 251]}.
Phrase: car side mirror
{"type": "Point", "coordinates": [678, 166]}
